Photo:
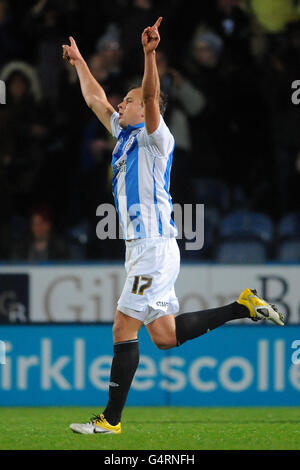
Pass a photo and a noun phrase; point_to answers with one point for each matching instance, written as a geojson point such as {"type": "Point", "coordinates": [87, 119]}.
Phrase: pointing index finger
{"type": "Point", "coordinates": [157, 23]}
{"type": "Point", "coordinates": [72, 41]}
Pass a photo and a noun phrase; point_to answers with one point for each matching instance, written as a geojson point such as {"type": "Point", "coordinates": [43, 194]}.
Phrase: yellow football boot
{"type": "Point", "coordinates": [98, 424]}
{"type": "Point", "coordinates": [260, 309]}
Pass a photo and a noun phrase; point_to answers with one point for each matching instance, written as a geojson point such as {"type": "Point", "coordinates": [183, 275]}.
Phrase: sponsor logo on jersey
{"type": "Point", "coordinates": [121, 166]}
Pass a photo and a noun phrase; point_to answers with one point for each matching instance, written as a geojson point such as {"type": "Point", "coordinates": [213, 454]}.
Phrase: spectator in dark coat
{"type": "Point", "coordinates": [41, 244]}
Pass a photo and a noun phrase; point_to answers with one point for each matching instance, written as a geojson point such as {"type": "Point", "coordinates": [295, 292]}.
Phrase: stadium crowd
{"type": "Point", "coordinates": [227, 68]}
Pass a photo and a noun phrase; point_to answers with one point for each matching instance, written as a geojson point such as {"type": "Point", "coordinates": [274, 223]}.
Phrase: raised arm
{"type": "Point", "coordinates": [150, 83]}
{"type": "Point", "coordinates": [92, 91]}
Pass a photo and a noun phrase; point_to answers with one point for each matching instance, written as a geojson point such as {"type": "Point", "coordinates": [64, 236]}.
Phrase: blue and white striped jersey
{"type": "Point", "coordinates": [141, 165]}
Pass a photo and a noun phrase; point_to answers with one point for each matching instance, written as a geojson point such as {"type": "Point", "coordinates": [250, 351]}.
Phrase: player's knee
{"type": "Point", "coordinates": [124, 330]}
{"type": "Point", "coordinates": [118, 332]}
{"type": "Point", "coordinates": [164, 344]}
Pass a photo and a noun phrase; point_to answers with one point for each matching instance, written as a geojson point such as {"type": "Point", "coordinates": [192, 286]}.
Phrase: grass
{"type": "Point", "coordinates": [157, 428]}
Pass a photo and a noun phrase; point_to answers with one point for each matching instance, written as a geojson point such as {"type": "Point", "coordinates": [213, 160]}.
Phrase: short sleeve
{"type": "Point", "coordinates": [161, 139]}
{"type": "Point", "coordinates": [114, 123]}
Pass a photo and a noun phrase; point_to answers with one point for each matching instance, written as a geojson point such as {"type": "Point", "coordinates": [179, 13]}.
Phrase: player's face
{"type": "Point", "coordinates": [131, 109]}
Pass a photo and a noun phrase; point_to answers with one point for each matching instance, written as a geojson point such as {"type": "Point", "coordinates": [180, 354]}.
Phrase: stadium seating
{"type": "Point", "coordinates": [244, 237]}
{"type": "Point", "coordinates": [246, 225]}
{"type": "Point", "coordinates": [288, 238]}
{"type": "Point", "coordinates": [289, 226]}
{"type": "Point", "coordinates": [241, 252]}
{"type": "Point", "coordinates": [289, 251]}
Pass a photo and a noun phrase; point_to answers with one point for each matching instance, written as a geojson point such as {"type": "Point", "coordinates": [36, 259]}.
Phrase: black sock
{"type": "Point", "coordinates": [194, 324]}
{"type": "Point", "coordinates": [124, 365]}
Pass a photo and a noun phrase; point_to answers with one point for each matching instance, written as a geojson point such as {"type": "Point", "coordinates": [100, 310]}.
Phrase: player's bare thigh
{"type": "Point", "coordinates": [125, 328]}
{"type": "Point", "coordinates": [163, 332]}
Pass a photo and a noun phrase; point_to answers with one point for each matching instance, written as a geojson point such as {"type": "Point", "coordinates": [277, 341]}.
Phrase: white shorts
{"type": "Point", "coordinates": [152, 266]}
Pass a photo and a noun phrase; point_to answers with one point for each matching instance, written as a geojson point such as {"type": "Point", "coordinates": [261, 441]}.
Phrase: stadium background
{"type": "Point", "coordinates": [227, 67]}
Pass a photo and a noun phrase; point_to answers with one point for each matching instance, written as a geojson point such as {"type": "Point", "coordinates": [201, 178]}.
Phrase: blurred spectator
{"type": "Point", "coordinates": [28, 72]}
{"type": "Point", "coordinates": [41, 244]}
{"type": "Point", "coordinates": [232, 24]}
{"type": "Point", "coordinates": [105, 64]}
{"type": "Point", "coordinates": [24, 132]}
{"type": "Point", "coordinates": [202, 69]}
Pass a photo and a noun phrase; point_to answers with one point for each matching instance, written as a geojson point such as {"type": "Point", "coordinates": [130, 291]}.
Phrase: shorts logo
{"type": "Point", "coordinates": [162, 304]}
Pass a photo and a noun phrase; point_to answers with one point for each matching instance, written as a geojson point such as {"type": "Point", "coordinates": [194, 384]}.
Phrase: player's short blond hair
{"type": "Point", "coordinates": [162, 99]}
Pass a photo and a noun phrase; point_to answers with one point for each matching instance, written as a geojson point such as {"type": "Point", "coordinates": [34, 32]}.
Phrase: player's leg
{"type": "Point", "coordinates": [191, 325]}
{"type": "Point", "coordinates": [124, 365]}
{"type": "Point", "coordinates": [249, 305]}
{"type": "Point", "coordinates": [167, 331]}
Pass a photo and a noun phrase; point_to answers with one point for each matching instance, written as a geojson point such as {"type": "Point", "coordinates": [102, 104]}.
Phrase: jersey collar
{"type": "Point", "coordinates": [137, 126]}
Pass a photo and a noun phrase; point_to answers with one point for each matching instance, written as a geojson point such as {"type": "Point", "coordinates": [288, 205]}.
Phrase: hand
{"type": "Point", "coordinates": [150, 37]}
{"type": "Point", "coordinates": [71, 53]}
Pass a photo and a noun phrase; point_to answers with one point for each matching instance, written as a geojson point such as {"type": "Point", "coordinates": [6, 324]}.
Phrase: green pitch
{"type": "Point", "coordinates": [154, 428]}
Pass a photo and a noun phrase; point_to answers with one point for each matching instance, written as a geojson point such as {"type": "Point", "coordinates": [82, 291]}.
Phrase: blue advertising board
{"type": "Point", "coordinates": [231, 366]}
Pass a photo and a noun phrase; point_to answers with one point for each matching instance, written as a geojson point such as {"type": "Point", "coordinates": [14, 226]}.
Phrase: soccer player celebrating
{"type": "Point", "coordinates": [141, 164]}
